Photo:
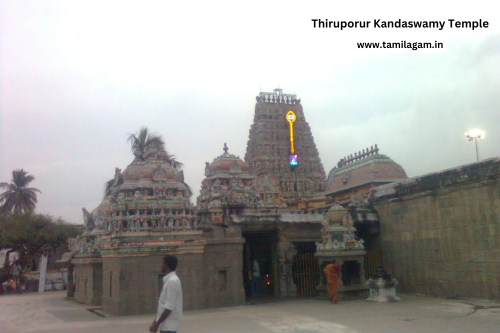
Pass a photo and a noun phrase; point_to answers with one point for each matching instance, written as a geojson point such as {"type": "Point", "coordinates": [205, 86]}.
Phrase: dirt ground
{"type": "Point", "coordinates": [51, 312]}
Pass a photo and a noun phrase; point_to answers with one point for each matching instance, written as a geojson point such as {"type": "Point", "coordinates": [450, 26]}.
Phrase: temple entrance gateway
{"type": "Point", "coordinates": [262, 247]}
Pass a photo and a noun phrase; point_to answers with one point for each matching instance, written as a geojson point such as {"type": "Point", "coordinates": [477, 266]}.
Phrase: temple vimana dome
{"type": "Point", "coordinates": [228, 185]}
{"type": "Point", "coordinates": [149, 195]}
{"type": "Point", "coordinates": [359, 172]}
{"type": "Point", "coordinates": [153, 195]}
{"type": "Point", "coordinates": [274, 206]}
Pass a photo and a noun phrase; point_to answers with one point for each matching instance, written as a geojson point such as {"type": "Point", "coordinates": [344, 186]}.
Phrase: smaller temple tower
{"type": "Point", "coordinates": [226, 190]}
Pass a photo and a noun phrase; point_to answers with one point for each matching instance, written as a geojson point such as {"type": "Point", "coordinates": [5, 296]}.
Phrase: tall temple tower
{"type": "Point", "coordinates": [281, 152]}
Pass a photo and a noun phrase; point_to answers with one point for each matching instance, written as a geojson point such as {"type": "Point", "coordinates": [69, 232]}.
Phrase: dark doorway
{"type": "Point", "coordinates": [351, 273]}
{"type": "Point", "coordinates": [261, 246]}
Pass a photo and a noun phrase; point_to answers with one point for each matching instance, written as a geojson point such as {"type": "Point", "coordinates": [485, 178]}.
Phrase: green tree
{"type": "Point", "coordinates": [18, 197]}
{"type": "Point", "coordinates": [30, 234]}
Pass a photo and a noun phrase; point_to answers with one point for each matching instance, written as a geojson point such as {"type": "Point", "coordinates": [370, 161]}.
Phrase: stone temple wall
{"type": "Point", "coordinates": [88, 280]}
{"type": "Point", "coordinates": [130, 284]}
{"type": "Point", "coordinates": [223, 270]}
{"type": "Point", "coordinates": [440, 233]}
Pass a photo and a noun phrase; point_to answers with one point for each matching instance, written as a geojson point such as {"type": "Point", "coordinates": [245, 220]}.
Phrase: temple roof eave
{"type": "Point", "coordinates": [387, 180]}
{"type": "Point", "coordinates": [229, 175]}
{"type": "Point", "coordinates": [136, 185]}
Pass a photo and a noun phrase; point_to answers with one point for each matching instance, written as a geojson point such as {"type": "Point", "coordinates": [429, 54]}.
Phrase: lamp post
{"type": "Point", "coordinates": [474, 135]}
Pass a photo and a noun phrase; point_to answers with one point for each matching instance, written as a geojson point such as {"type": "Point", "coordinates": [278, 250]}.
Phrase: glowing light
{"type": "Point", "coordinates": [268, 283]}
{"type": "Point", "coordinates": [294, 160]}
{"type": "Point", "coordinates": [475, 134]}
{"type": "Point", "coordinates": [290, 116]}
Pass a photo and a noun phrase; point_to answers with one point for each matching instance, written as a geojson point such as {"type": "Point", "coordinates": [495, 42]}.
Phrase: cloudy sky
{"type": "Point", "coordinates": [77, 76]}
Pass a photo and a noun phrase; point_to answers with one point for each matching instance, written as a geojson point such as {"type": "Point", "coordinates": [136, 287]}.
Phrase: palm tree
{"type": "Point", "coordinates": [173, 161]}
{"type": "Point", "coordinates": [144, 139]}
{"type": "Point", "coordinates": [18, 197]}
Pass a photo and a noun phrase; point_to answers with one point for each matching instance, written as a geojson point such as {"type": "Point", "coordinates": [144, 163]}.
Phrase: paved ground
{"type": "Point", "coordinates": [51, 312]}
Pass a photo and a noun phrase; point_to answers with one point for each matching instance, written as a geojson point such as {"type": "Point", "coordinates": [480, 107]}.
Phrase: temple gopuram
{"type": "Point", "coordinates": [280, 132]}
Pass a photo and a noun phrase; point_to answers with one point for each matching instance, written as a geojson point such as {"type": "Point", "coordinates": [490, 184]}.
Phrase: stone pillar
{"type": "Point", "coordinates": [70, 292]}
{"type": "Point", "coordinates": [43, 273]}
{"type": "Point", "coordinates": [286, 252]}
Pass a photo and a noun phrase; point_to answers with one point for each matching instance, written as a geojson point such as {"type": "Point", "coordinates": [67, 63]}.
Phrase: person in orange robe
{"type": "Point", "coordinates": [332, 281]}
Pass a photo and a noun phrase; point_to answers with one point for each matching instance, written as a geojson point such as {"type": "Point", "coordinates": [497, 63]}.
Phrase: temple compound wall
{"type": "Point", "coordinates": [440, 233]}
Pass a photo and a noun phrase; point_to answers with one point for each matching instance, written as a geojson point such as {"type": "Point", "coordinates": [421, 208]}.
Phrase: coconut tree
{"type": "Point", "coordinates": [141, 142]}
{"type": "Point", "coordinates": [18, 197]}
{"type": "Point", "coordinates": [173, 161]}
{"type": "Point", "coordinates": [144, 139]}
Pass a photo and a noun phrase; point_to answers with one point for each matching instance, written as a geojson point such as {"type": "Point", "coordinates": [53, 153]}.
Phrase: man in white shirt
{"type": "Point", "coordinates": [169, 313]}
{"type": "Point", "coordinates": [255, 286]}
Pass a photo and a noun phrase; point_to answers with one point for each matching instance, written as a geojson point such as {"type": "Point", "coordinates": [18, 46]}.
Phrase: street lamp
{"type": "Point", "coordinates": [475, 134]}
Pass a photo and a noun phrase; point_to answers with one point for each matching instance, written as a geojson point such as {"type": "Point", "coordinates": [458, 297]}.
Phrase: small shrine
{"type": "Point", "coordinates": [339, 242]}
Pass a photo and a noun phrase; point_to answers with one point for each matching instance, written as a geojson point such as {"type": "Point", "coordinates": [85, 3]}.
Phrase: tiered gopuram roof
{"type": "Point", "coordinates": [268, 150]}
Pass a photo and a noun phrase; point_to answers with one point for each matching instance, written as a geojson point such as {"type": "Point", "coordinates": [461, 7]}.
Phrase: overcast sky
{"type": "Point", "coordinates": [77, 76]}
